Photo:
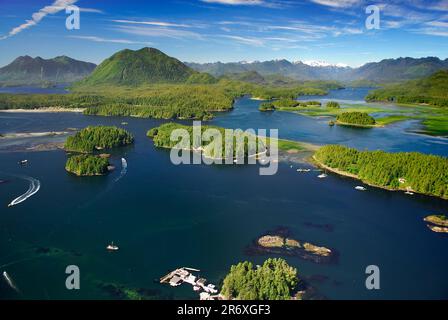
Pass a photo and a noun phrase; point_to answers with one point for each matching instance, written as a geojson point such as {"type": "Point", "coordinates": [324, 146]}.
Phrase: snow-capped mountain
{"type": "Point", "coordinates": [319, 63]}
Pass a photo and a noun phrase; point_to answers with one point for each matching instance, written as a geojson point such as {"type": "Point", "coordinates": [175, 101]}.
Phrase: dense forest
{"type": "Point", "coordinates": [266, 106]}
{"type": "Point", "coordinates": [165, 101]}
{"type": "Point", "coordinates": [274, 280]}
{"type": "Point", "coordinates": [287, 104]}
{"type": "Point", "coordinates": [162, 138]}
{"type": "Point", "coordinates": [356, 118]}
{"type": "Point", "coordinates": [432, 90]}
{"type": "Point", "coordinates": [422, 173]}
{"type": "Point", "coordinates": [97, 138]}
{"type": "Point", "coordinates": [87, 165]}
{"type": "Point", "coordinates": [333, 104]}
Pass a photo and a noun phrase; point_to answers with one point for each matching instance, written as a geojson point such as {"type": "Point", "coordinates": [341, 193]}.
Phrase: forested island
{"type": "Point", "coordinates": [98, 138]}
{"type": "Point", "coordinates": [274, 280]}
{"type": "Point", "coordinates": [287, 105]}
{"type": "Point", "coordinates": [87, 165]}
{"type": "Point", "coordinates": [161, 137]}
{"type": "Point", "coordinates": [355, 118]}
{"type": "Point", "coordinates": [411, 171]}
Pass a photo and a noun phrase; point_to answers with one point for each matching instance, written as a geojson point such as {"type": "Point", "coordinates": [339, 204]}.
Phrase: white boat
{"type": "Point", "coordinates": [409, 193]}
{"type": "Point", "coordinates": [23, 161]}
{"type": "Point", "coordinates": [112, 247]}
{"type": "Point", "coordinates": [360, 188]}
{"type": "Point", "coordinates": [321, 176]}
{"type": "Point", "coordinates": [303, 170]}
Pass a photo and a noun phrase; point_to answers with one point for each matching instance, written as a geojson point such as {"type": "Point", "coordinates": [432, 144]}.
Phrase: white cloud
{"type": "Point", "coordinates": [434, 28]}
{"type": "Point", "coordinates": [161, 32]}
{"type": "Point", "coordinates": [339, 3]}
{"type": "Point", "coordinates": [99, 39]}
{"type": "Point", "coordinates": [440, 24]}
{"type": "Point", "coordinates": [246, 40]}
{"type": "Point", "coordinates": [91, 10]}
{"type": "Point", "coordinates": [237, 2]}
{"type": "Point", "coordinates": [153, 23]}
{"type": "Point", "coordinates": [264, 3]}
{"type": "Point", "coordinates": [36, 17]}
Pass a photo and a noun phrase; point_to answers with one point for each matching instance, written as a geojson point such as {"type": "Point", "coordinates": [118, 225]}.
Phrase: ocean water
{"type": "Point", "coordinates": [164, 216]}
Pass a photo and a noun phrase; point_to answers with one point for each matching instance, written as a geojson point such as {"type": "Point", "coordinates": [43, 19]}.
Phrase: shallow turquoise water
{"type": "Point", "coordinates": [164, 216]}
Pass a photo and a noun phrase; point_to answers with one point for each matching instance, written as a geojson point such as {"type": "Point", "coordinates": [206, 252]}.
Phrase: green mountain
{"type": "Point", "coordinates": [147, 65]}
{"type": "Point", "coordinates": [430, 90]}
{"type": "Point", "coordinates": [26, 70]}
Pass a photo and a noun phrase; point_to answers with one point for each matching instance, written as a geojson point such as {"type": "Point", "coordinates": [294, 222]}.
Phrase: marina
{"type": "Point", "coordinates": [185, 275]}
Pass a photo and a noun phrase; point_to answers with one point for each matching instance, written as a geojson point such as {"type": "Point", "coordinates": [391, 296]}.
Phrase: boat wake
{"type": "Point", "coordinates": [32, 190]}
{"type": "Point", "coordinates": [124, 169]}
{"type": "Point", "coordinates": [10, 282]}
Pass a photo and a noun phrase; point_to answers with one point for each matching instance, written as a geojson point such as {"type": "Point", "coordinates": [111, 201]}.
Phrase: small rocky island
{"type": "Point", "coordinates": [437, 223]}
{"type": "Point", "coordinates": [280, 242]}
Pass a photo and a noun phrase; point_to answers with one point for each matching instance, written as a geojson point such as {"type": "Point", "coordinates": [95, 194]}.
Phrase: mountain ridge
{"type": "Point", "coordinates": [386, 70]}
{"type": "Point", "coordinates": [28, 70]}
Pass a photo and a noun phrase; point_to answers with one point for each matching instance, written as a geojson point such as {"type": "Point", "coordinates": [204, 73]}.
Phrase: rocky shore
{"type": "Point", "coordinates": [281, 242]}
{"type": "Point", "coordinates": [437, 223]}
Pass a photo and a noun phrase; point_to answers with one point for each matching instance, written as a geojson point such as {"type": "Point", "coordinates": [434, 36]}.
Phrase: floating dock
{"type": "Point", "coordinates": [184, 275]}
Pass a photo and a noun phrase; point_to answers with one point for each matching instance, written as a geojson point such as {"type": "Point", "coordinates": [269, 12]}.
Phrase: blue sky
{"type": "Point", "coordinates": [226, 30]}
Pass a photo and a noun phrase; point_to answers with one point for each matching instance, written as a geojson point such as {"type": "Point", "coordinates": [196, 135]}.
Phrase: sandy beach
{"type": "Point", "coordinates": [44, 110]}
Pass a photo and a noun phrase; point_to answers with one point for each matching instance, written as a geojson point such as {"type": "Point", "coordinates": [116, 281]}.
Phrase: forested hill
{"type": "Point", "coordinates": [401, 69]}
{"type": "Point", "coordinates": [144, 66]}
{"type": "Point", "coordinates": [431, 90]}
{"type": "Point", "coordinates": [26, 70]}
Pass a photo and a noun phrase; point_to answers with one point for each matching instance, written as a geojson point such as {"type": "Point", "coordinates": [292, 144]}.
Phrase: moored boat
{"type": "Point", "coordinates": [112, 247]}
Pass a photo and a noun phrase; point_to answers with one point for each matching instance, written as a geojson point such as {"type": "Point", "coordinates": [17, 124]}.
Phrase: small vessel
{"type": "Point", "coordinates": [112, 247]}
{"type": "Point", "coordinates": [196, 288]}
{"type": "Point", "coordinates": [322, 176]}
{"type": "Point", "coordinates": [124, 123]}
{"type": "Point", "coordinates": [303, 170]}
{"type": "Point", "coordinates": [23, 162]}
{"type": "Point", "coordinates": [409, 193]}
{"type": "Point", "coordinates": [360, 188]}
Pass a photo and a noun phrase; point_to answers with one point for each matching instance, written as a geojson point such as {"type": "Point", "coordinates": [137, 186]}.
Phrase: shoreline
{"type": "Point", "coordinates": [32, 134]}
{"type": "Point", "coordinates": [44, 110]}
{"type": "Point", "coordinates": [353, 176]}
{"type": "Point", "coordinates": [367, 126]}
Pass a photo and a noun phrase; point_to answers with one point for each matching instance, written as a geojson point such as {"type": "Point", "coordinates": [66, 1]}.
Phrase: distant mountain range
{"type": "Point", "coordinates": [389, 70]}
{"type": "Point", "coordinates": [26, 70]}
{"type": "Point", "coordinates": [149, 65]}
